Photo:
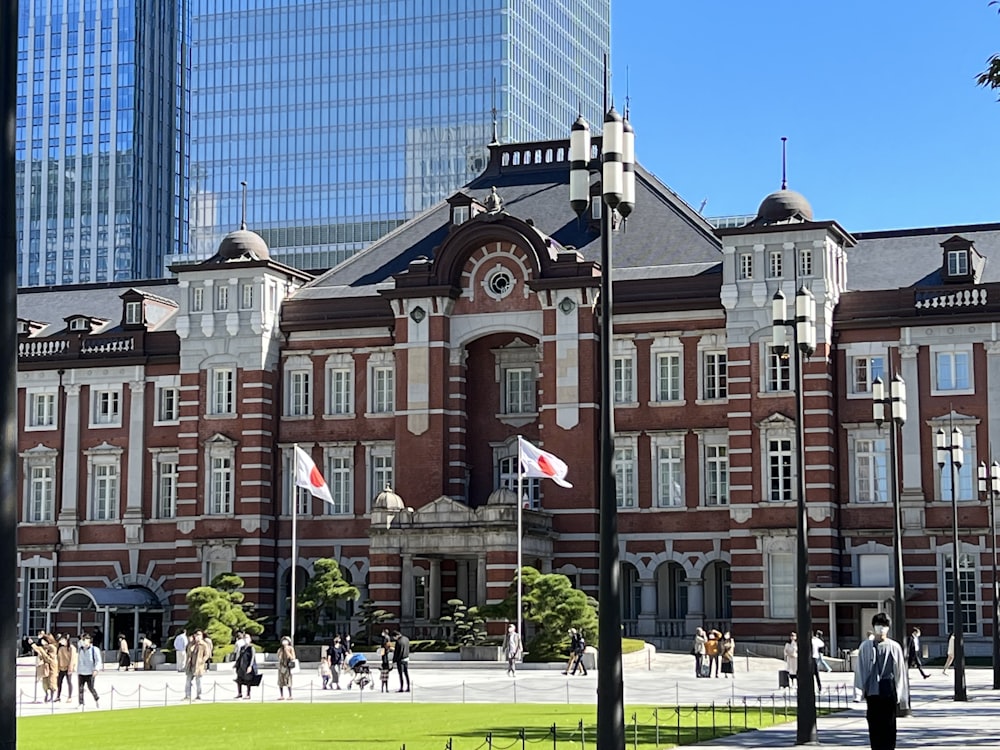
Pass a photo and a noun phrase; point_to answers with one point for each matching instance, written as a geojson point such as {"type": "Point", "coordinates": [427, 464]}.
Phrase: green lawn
{"type": "Point", "coordinates": [427, 726]}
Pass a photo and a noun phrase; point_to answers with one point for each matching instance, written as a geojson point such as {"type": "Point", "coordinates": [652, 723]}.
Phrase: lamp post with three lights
{"type": "Point", "coordinates": [989, 485]}
{"type": "Point", "coordinates": [949, 453]}
{"type": "Point", "coordinates": [617, 195]}
{"type": "Point", "coordinates": [803, 327]}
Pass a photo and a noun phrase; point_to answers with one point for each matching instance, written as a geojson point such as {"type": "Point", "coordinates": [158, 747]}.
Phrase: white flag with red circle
{"type": "Point", "coordinates": [309, 477]}
{"type": "Point", "coordinates": [538, 463]}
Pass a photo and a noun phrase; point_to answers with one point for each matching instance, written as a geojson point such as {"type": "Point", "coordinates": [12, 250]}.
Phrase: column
{"type": "Point", "coordinates": [406, 589]}
{"type": "Point", "coordinates": [69, 459]}
{"type": "Point", "coordinates": [462, 589]}
{"type": "Point", "coordinates": [132, 520]}
{"type": "Point", "coordinates": [647, 612]}
{"type": "Point", "coordinates": [910, 440]}
{"type": "Point", "coordinates": [696, 604]}
{"type": "Point", "coordinates": [434, 591]}
{"type": "Point", "coordinates": [992, 384]}
{"type": "Point", "coordinates": [481, 579]}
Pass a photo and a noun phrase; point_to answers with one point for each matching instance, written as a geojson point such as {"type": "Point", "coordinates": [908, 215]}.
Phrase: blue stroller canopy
{"type": "Point", "coordinates": [356, 660]}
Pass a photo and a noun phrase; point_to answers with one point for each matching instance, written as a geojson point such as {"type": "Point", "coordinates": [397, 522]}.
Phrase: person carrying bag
{"type": "Point", "coordinates": [881, 677]}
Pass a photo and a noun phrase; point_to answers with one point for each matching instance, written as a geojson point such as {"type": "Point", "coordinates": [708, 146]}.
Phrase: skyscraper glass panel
{"type": "Point", "coordinates": [95, 140]}
{"type": "Point", "coordinates": [347, 117]}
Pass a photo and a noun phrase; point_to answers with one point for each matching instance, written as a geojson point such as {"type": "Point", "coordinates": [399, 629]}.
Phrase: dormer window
{"type": "Point", "coordinates": [133, 313]}
{"type": "Point", "coordinates": [459, 214]}
{"type": "Point", "coordinates": [22, 327]}
{"type": "Point", "coordinates": [79, 324]}
{"type": "Point", "coordinates": [958, 262]}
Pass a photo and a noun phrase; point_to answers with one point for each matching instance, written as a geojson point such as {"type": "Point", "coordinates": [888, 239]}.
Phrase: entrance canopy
{"type": "Point", "coordinates": [78, 598]}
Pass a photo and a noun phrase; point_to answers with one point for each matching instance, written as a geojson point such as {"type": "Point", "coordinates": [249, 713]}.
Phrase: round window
{"type": "Point", "coordinates": [499, 283]}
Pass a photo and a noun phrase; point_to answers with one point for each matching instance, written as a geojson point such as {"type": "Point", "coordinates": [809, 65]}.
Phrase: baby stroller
{"type": "Point", "coordinates": [362, 672]}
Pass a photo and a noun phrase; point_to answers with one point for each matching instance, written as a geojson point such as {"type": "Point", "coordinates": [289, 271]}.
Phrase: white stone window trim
{"type": "Point", "coordinates": [772, 547]}
{"type": "Point", "coordinates": [103, 455]}
{"type": "Point", "coordinates": [778, 427]}
{"type": "Point", "coordinates": [221, 447]}
{"type": "Point", "coordinates": [869, 353]}
{"type": "Point", "coordinates": [764, 389]}
{"type": "Point", "coordinates": [672, 440]}
{"type": "Point", "coordinates": [507, 453]}
{"type": "Point", "coordinates": [160, 387]}
{"type": "Point", "coordinates": [713, 438]}
{"type": "Point", "coordinates": [666, 346]}
{"type": "Point", "coordinates": [377, 450]}
{"type": "Point", "coordinates": [711, 344]}
{"type": "Point", "coordinates": [866, 432]}
{"type": "Point", "coordinates": [381, 363]}
{"type": "Point", "coordinates": [160, 457]}
{"type": "Point", "coordinates": [624, 350]}
{"type": "Point", "coordinates": [517, 355]}
{"type": "Point", "coordinates": [339, 363]}
{"type": "Point", "coordinates": [215, 407]}
{"type": "Point", "coordinates": [40, 456]}
{"type": "Point", "coordinates": [51, 394]}
{"type": "Point", "coordinates": [629, 443]}
{"type": "Point", "coordinates": [952, 349]}
{"type": "Point", "coordinates": [339, 452]}
{"type": "Point", "coordinates": [298, 405]}
{"type": "Point", "coordinates": [970, 461]}
{"type": "Point", "coordinates": [114, 396]}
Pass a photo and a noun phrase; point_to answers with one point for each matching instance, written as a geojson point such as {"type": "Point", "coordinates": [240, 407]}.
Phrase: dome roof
{"type": "Point", "coordinates": [388, 500]}
{"type": "Point", "coordinates": [782, 206]}
{"type": "Point", "coordinates": [502, 496]}
{"type": "Point", "coordinates": [243, 243]}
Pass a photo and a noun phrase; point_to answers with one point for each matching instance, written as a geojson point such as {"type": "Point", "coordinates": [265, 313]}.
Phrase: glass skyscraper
{"type": "Point", "coordinates": [99, 175]}
{"type": "Point", "coordinates": [346, 117]}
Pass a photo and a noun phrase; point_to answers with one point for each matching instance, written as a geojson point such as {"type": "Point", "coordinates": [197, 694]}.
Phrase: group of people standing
{"type": "Point", "coordinates": [57, 660]}
{"type": "Point", "coordinates": [818, 649]}
{"type": "Point", "coordinates": [713, 650]}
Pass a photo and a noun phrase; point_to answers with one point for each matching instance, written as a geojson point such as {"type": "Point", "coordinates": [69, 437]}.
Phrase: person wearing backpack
{"type": "Point", "coordinates": [89, 663]}
{"type": "Point", "coordinates": [880, 676]}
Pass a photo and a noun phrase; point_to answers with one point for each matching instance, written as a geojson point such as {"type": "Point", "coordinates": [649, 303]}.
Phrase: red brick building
{"type": "Point", "coordinates": [158, 420]}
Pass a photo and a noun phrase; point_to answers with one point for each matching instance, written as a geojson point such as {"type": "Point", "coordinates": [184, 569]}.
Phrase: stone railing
{"type": "Point", "coordinates": [949, 299]}
{"type": "Point", "coordinates": [674, 628]}
{"type": "Point", "coordinates": [41, 348]}
{"type": "Point", "coordinates": [71, 347]}
{"type": "Point", "coordinates": [117, 345]}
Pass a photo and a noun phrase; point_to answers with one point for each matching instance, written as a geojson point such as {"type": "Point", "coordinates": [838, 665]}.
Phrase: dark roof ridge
{"type": "Point", "coordinates": [925, 231]}
{"type": "Point", "coordinates": [124, 285]}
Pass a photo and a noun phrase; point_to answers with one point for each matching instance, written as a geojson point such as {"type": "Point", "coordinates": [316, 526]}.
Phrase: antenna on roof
{"type": "Point", "coordinates": [496, 139]}
{"type": "Point", "coordinates": [627, 96]}
{"type": "Point", "coordinates": [701, 208]}
{"type": "Point", "coordinates": [784, 180]}
{"type": "Point", "coordinates": [243, 220]}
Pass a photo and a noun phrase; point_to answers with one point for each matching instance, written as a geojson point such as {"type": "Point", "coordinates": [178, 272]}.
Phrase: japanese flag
{"type": "Point", "coordinates": [537, 463]}
{"type": "Point", "coordinates": [308, 476]}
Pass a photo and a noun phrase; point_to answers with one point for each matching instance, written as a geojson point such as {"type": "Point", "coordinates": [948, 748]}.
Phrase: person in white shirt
{"type": "Point", "coordinates": [180, 648]}
{"type": "Point", "coordinates": [880, 676]}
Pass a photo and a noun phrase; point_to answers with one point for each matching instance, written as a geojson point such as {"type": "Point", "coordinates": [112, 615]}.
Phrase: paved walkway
{"type": "Point", "coordinates": [938, 723]}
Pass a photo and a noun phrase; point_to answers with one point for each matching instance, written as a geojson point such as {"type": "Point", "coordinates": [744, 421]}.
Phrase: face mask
{"type": "Point", "coordinates": [882, 630]}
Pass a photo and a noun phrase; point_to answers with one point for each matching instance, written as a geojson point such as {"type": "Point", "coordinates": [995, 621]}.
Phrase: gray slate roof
{"type": "Point", "coordinates": [912, 257]}
{"type": "Point", "coordinates": [662, 232]}
{"type": "Point", "coordinates": [53, 305]}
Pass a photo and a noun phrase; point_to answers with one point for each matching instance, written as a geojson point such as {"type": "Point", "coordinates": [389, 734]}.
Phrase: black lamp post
{"type": "Point", "coordinates": [617, 193]}
{"type": "Point", "coordinates": [803, 327]}
{"type": "Point", "coordinates": [989, 485]}
{"type": "Point", "coordinates": [896, 401]}
{"type": "Point", "coordinates": [950, 453]}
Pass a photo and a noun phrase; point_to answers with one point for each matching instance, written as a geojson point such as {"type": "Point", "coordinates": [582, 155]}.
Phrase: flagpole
{"type": "Point", "coordinates": [520, 502]}
{"type": "Point", "coordinates": [295, 517]}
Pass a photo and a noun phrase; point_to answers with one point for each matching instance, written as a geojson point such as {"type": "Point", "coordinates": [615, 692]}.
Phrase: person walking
{"type": "Point", "coordinates": [148, 649]}
{"type": "Point", "coordinates": [792, 657]}
{"type": "Point", "coordinates": [727, 654]}
{"type": "Point", "coordinates": [47, 665]}
{"type": "Point", "coordinates": [197, 661]}
{"type": "Point", "coordinates": [880, 676]}
{"type": "Point", "coordinates": [124, 659]}
{"type": "Point", "coordinates": [180, 649]}
{"type": "Point", "coordinates": [698, 651]}
{"type": "Point", "coordinates": [89, 663]}
{"type": "Point", "coordinates": [337, 653]}
{"type": "Point", "coordinates": [579, 649]}
{"type": "Point", "coordinates": [66, 658]}
{"type": "Point", "coordinates": [819, 652]}
{"type": "Point", "coordinates": [913, 652]}
{"type": "Point", "coordinates": [247, 674]}
{"type": "Point", "coordinates": [712, 649]}
{"type": "Point", "coordinates": [950, 655]}
{"type": "Point", "coordinates": [512, 650]}
{"type": "Point", "coordinates": [401, 658]}
{"type": "Point", "coordinates": [286, 663]}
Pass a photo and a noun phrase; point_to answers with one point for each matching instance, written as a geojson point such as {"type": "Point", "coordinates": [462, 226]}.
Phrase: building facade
{"type": "Point", "coordinates": [158, 422]}
{"type": "Point", "coordinates": [97, 140]}
{"type": "Point", "coordinates": [348, 118]}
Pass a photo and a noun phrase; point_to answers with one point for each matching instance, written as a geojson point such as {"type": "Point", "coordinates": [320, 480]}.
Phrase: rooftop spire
{"type": "Point", "coordinates": [243, 218]}
{"type": "Point", "coordinates": [496, 139]}
{"type": "Point", "coordinates": [784, 179]}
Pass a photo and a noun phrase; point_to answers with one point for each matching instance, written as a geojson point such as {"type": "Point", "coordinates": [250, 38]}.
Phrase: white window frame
{"type": "Point", "coordinates": [667, 371]}
{"type": "Point", "coordinates": [777, 369]}
{"type": "Point", "coordinates": [506, 476]}
{"type": "Point", "coordinates": [168, 399]}
{"type": "Point", "coordinates": [133, 313]}
{"type": "Point", "coordinates": [968, 486]}
{"type": "Point", "coordinates": [715, 469]}
{"type": "Point", "coordinates": [746, 266]}
{"type": "Point", "coordinates": [380, 458]}
{"type": "Point", "coordinates": [246, 297]}
{"type": "Point", "coordinates": [781, 584]}
{"type": "Point", "coordinates": [42, 411]}
{"type": "Point", "coordinates": [865, 368]}
{"type": "Point", "coordinates": [519, 390]}
{"type": "Point", "coordinates": [968, 574]}
{"type": "Point", "coordinates": [775, 264]}
{"type": "Point", "coordinates": [222, 298]}
{"type": "Point", "coordinates": [517, 356]}
{"type": "Point", "coordinates": [381, 384]}
{"type": "Point", "coordinates": [222, 391]}
{"type": "Point", "coordinates": [714, 375]}
{"type": "Point", "coordinates": [105, 406]}
{"type": "Point", "coordinates": [340, 479]}
{"type": "Point", "coordinates": [40, 467]}
{"type": "Point", "coordinates": [805, 262]}
{"type": "Point", "coordinates": [869, 462]}
{"type": "Point", "coordinates": [298, 398]}
{"type": "Point", "coordinates": [339, 370]}
{"type": "Point", "coordinates": [221, 481]}
{"type": "Point", "coordinates": [625, 467]}
{"type": "Point", "coordinates": [951, 356]}
{"type": "Point", "coordinates": [197, 299]}
{"type": "Point", "coordinates": [36, 593]}
{"type": "Point", "coordinates": [103, 482]}
{"type": "Point", "coordinates": [459, 214]}
{"type": "Point", "coordinates": [165, 477]}
{"type": "Point", "coordinates": [958, 262]}
{"type": "Point", "coordinates": [668, 462]}
{"type": "Point", "coordinates": [290, 491]}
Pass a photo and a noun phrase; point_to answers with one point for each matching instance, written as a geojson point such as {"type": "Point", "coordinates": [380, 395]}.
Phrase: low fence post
{"type": "Point", "coordinates": [656, 724]}
{"type": "Point", "coordinates": [583, 737]}
{"type": "Point", "coordinates": [677, 709]}
{"type": "Point", "coordinates": [635, 731]}
{"type": "Point", "coordinates": [553, 730]}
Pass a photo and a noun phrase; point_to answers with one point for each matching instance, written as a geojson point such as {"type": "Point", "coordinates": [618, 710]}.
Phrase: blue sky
{"type": "Point", "coordinates": [886, 127]}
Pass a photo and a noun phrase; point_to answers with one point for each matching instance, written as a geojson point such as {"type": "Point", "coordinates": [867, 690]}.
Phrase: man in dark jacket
{"type": "Point", "coordinates": [401, 658]}
{"type": "Point", "coordinates": [579, 646]}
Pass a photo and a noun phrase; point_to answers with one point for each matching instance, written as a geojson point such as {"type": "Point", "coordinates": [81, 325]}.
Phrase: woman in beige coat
{"type": "Point", "coordinates": [286, 662]}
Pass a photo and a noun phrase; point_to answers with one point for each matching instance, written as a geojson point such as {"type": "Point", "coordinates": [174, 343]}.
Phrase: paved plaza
{"type": "Point", "coordinates": [666, 680]}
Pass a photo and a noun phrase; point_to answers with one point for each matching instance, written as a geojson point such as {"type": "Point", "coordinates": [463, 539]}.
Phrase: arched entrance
{"type": "Point", "coordinates": [105, 612]}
